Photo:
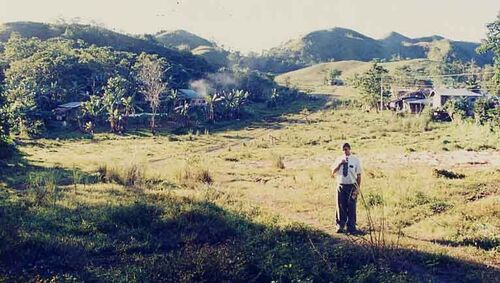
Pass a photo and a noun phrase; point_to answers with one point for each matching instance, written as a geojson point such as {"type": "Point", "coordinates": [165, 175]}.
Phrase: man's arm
{"type": "Point", "coordinates": [336, 169]}
{"type": "Point", "coordinates": [358, 180]}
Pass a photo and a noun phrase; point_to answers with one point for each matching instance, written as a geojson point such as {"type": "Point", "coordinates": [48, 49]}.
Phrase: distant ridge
{"type": "Point", "coordinates": [196, 66]}
{"type": "Point", "coordinates": [186, 41]}
{"type": "Point", "coordinates": [182, 39]}
{"type": "Point", "coordinates": [339, 44]}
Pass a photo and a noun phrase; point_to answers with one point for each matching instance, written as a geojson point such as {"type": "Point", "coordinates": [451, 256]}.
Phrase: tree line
{"type": "Point", "coordinates": [38, 75]}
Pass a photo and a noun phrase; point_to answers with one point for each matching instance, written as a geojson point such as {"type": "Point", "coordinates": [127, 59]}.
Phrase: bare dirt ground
{"type": "Point", "coordinates": [447, 159]}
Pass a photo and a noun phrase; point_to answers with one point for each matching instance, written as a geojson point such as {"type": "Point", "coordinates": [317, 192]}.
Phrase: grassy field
{"type": "Point", "coordinates": [311, 79]}
{"type": "Point", "coordinates": [253, 201]}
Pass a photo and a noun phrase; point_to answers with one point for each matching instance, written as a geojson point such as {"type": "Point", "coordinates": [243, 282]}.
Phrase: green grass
{"type": "Point", "coordinates": [254, 201]}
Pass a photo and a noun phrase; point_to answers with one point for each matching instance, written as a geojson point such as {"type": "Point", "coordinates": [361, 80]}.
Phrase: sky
{"type": "Point", "coordinates": [255, 25]}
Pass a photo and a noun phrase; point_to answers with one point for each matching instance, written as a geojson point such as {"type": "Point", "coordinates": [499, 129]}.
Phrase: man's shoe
{"type": "Point", "coordinates": [340, 230]}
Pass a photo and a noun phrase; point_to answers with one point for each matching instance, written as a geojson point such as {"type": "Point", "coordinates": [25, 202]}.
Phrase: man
{"type": "Point", "coordinates": [347, 170]}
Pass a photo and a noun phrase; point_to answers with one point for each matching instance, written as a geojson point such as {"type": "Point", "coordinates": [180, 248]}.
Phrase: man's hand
{"type": "Point", "coordinates": [337, 168]}
{"type": "Point", "coordinates": [354, 194]}
{"type": "Point", "coordinates": [342, 162]}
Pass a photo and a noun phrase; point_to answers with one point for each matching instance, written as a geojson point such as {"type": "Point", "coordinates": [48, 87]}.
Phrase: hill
{"type": "Point", "coordinates": [99, 36]}
{"type": "Point", "coordinates": [344, 44]}
{"type": "Point", "coordinates": [199, 46]}
{"type": "Point", "coordinates": [182, 39]}
{"type": "Point", "coordinates": [311, 79]}
{"type": "Point", "coordinates": [334, 44]}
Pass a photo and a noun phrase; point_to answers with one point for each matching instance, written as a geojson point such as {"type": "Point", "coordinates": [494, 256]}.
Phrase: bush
{"type": "Point", "coordinates": [278, 162]}
{"type": "Point", "coordinates": [193, 172]}
{"type": "Point", "coordinates": [7, 148]}
{"type": "Point", "coordinates": [43, 187]}
{"type": "Point", "coordinates": [447, 174]}
{"type": "Point", "coordinates": [425, 118]}
{"type": "Point", "coordinates": [374, 200]}
{"type": "Point", "coordinates": [130, 176]}
{"type": "Point", "coordinates": [482, 111]}
{"type": "Point", "coordinates": [457, 109]}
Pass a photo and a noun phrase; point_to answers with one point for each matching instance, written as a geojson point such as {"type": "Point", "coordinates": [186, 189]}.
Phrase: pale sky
{"type": "Point", "coordinates": [254, 25]}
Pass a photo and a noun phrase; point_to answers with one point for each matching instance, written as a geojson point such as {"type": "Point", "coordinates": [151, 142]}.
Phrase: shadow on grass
{"type": "Point", "coordinates": [15, 173]}
{"type": "Point", "coordinates": [165, 238]}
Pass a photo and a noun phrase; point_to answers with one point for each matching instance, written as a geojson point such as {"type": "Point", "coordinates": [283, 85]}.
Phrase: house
{"type": "Point", "coordinates": [68, 111]}
{"type": "Point", "coordinates": [191, 97]}
{"type": "Point", "coordinates": [335, 82]}
{"type": "Point", "coordinates": [413, 102]}
{"type": "Point", "coordinates": [439, 97]}
{"type": "Point", "coordinates": [415, 106]}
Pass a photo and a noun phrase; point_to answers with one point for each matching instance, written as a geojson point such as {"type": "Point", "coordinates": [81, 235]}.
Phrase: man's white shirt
{"type": "Point", "coordinates": [354, 168]}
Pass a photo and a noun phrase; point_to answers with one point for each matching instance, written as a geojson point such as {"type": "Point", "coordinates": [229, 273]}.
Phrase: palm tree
{"type": "Point", "coordinates": [212, 102]}
{"type": "Point", "coordinates": [235, 100]}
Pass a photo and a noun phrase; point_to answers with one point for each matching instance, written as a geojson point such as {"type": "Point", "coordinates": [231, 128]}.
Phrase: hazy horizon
{"type": "Point", "coordinates": [258, 25]}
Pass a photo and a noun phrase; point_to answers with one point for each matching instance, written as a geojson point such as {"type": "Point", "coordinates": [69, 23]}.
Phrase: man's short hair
{"type": "Point", "coordinates": [346, 145]}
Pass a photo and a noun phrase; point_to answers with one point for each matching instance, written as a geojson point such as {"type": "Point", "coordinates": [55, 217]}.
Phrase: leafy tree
{"type": "Point", "coordinates": [38, 83]}
{"type": "Point", "coordinates": [213, 101]}
{"type": "Point", "coordinates": [472, 82]}
{"type": "Point", "coordinates": [233, 102]}
{"type": "Point", "coordinates": [91, 109]}
{"type": "Point", "coordinates": [257, 84]}
{"type": "Point", "coordinates": [332, 76]}
{"type": "Point", "coordinates": [6, 147]}
{"type": "Point", "coordinates": [150, 70]}
{"type": "Point", "coordinates": [99, 64]}
{"type": "Point", "coordinates": [117, 102]}
{"type": "Point", "coordinates": [457, 109]}
{"type": "Point", "coordinates": [369, 85]}
{"type": "Point", "coordinates": [490, 81]}
{"type": "Point", "coordinates": [172, 98]}
{"type": "Point", "coordinates": [483, 110]}
{"type": "Point", "coordinates": [18, 48]}
{"type": "Point", "coordinates": [492, 43]}
{"type": "Point", "coordinates": [403, 77]}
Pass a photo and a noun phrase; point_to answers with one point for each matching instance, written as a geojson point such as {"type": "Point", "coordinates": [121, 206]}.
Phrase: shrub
{"type": "Point", "coordinates": [7, 148]}
{"type": "Point", "coordinates": [448, 174]}
{"type": "Point", "coordinates": [204, 176]}
{"type": "Point", "coordinates": [482, 110]}
{"type": "Point", "coordinates": [438, 206]}
{"type": "Point", "coordinates": [131, 176]}
{"type": "Point", "coordinates": [278, 161]}
{"type": "Point", "coordinates": [457, 109]}
{"type": "Point", "coordinates": [43, 187]}
{"type": "Point", "coordinates": [193, 172]}
{"type": "Point", "coordinates": [425, 119]}
{"type": "Point", "coordinates": [374, 200]}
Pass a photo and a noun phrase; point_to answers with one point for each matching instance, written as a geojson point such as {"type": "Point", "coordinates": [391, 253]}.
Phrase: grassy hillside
{"type": "Point", "coordinates": [104, 37]}
{"type": "Point", "coordinates": [311, 79]}
{"type": "Point", "coordinates": [213, 55]}
{"type": "Point", "coordinates": [182, 39]}
{"type": "Point", "coordinates": [335, 44]}
{"type": "Point", "coordinates": [254, 202]}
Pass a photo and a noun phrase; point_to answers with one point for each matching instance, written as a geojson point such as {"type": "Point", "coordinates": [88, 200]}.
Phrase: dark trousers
{"type": "Point", "coordinates": [346, 207]}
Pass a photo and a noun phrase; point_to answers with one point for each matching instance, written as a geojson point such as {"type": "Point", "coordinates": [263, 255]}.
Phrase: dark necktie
{"type": "Point", "coordinates": [345, 167]}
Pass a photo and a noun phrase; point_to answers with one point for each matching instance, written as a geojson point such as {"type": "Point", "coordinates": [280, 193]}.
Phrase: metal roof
{"type": "Point", "coordinates": [455, 92]}
{"type": "Point", "coordinates": [71, 105]}
{"type": "Point", "coordinates": [189, 93]}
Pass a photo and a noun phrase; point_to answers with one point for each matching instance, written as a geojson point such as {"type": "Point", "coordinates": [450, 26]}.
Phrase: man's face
{"type": "Point", "coordinates": [347, 150]}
